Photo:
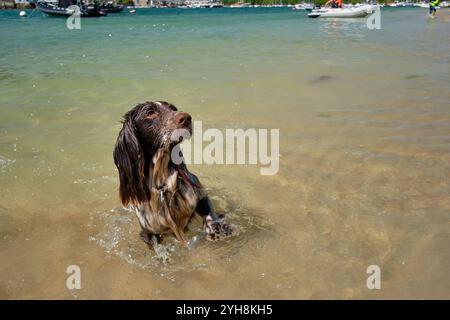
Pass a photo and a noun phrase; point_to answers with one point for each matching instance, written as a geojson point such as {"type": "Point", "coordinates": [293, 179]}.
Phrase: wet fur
{"type": "Point", "coordinates": [172, 212]}
{"type": "Point", "coordinates": [164, 196]}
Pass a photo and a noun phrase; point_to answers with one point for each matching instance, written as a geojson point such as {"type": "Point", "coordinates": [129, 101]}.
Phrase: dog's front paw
{"type": "Point", "coordinates": [216, 230]}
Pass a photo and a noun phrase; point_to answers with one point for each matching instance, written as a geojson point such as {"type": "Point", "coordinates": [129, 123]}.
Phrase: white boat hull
{"type": "Point", "coordinates": [358, 12]}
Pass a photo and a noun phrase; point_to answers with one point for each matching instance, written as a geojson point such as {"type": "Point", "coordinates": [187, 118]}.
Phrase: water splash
{"type": "Point", "coordinates": [117, 232]}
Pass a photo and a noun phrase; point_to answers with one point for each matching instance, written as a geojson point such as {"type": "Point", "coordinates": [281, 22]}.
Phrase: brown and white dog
{"type": "Point", "coordinates": [163, 194]}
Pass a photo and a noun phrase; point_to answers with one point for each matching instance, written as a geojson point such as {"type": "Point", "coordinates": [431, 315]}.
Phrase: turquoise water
{"type": "Point", "coordinates": [364, 125]}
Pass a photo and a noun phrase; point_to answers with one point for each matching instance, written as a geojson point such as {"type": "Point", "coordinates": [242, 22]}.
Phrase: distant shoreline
{"type": "Point", "coordinates": [227, 3]}
{"type": "Point", "coordinates": [12, 5]}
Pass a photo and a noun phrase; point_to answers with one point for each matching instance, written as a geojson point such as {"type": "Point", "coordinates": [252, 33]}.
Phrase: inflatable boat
{"type": "Point", "coordinates": [356, 12]}
{"type": "Point", "coordinates": [63, 9]}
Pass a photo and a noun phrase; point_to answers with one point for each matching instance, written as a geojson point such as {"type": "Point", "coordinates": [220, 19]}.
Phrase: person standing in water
{"type": "Point", "coordinates": [433, 5]}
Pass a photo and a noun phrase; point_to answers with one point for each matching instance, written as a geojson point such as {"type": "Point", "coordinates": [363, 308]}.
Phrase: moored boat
{"type": "Point", "coordinates": [110, 7]}
{"type": "Point", "coordinates": [303, 6]}
{"type": "Point", "coordinates": [355, 12]}
{"type": "Point", "coordinates": [63, 8]}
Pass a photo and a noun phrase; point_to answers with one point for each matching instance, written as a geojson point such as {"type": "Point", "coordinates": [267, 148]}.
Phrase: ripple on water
{"type": "Point", "coordinates": [5, 163]}
{"type": "Point", "coordinates": [117, 232]}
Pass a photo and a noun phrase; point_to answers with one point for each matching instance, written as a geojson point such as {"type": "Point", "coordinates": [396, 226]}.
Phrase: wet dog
{"type": "Point", "coordinates": [164, 195]}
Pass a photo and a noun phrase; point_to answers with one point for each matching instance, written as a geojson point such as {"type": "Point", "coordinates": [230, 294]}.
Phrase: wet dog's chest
{"type": "Point", "coordinates": [170, 207]}
{"type": "Point", "coordinates": [173, 197]}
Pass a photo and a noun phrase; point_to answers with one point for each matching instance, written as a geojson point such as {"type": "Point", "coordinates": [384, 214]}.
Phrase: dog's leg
{"type": "Point", "coordinates": [150, 239]}
{"type": "Point", "coordinates": [154, 242]}
{"type": "Point", "coordinates": [214, 225]}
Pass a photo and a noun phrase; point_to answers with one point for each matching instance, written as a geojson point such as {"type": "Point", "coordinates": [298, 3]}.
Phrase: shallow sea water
{"type": "Point", "coordinates": [364, 125]}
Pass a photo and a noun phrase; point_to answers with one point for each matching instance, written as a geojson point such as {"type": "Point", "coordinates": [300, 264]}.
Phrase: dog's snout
{"type": "Point", "coordinates": [183, 118]}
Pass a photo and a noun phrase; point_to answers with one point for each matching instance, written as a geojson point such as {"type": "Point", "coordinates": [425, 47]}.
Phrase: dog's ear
{"type": "Point", "coordinates": [130, 161]}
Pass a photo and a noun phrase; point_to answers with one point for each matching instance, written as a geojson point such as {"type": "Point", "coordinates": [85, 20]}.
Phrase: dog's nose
{"type": "Point", "coordinates": [183, 118]}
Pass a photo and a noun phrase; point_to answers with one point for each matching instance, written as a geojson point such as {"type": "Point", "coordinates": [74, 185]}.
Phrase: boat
{"type": "Point", "coordinates": [354, 12]}
{"type": "Point", "coordinates": [196, 4]}
{"type": "Point", "coordinates": [240, 4]}
{"type": "Point", "coordinates": [304, 6]}
{"type": "Point", "coordinates": [216, 5]}
{"type": "Point", "coordinates": [110, 7]}
{"type": "Point", "coordinates": [62, 8]}
{"type": "Point", "coordinates": [397, 4]}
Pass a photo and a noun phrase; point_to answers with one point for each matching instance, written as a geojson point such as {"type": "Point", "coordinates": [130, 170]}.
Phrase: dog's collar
{"type": "Point", "coordinates": [161, 190]}
{"type": "Point", "coordinates": [164, 189]}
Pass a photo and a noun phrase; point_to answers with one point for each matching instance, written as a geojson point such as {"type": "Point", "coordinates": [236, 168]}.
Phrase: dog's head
{"type": "Point", "coordinates": [155, 123]}
{"type": "Point", "coordinates": [146, 128]}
